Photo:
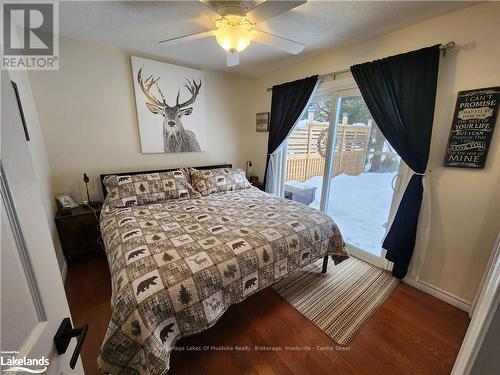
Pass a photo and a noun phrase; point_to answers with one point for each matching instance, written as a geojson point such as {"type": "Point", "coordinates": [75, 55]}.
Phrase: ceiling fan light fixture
{"type": "Point", "coordinates": [234, 33]}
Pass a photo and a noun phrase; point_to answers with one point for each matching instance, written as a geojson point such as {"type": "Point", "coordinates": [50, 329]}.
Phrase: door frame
{"type": "Point", "coordinates": [487, 303]}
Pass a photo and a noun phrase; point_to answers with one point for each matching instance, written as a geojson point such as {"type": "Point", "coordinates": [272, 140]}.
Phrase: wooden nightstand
{"type": "Point", "coordinates": [79, 232]}
{"type": "Point", "coordinates": [258, 185]}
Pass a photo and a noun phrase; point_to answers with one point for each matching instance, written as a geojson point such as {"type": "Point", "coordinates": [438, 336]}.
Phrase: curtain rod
{"type": "Point", "coordinates": [442, 47]}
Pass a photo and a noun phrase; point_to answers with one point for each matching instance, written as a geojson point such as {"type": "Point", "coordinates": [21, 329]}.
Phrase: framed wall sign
{"type": "Point", "coordinates": [472, 128]}
{"type": "Point", "coordinates": [262, 122]}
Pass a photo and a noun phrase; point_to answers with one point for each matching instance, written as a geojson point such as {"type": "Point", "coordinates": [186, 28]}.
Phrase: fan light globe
{"type": "Point", "coordinates": [234, 33]}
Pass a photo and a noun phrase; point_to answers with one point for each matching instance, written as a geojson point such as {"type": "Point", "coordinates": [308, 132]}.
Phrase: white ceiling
{"type": "Point", "coordinates": [137, 26]}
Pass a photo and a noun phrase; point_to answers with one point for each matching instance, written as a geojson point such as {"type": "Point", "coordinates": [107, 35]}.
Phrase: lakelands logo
{"type": "Point", "coordinates": [30, 35]}
{"type": "Point", "coordinates": [11, 363]}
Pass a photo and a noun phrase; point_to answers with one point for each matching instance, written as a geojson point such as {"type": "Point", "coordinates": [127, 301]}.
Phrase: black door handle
{"type": "Point", "coordinates": [64, 335]}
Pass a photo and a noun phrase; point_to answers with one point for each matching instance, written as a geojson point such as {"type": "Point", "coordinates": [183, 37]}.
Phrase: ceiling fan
{"type": "Point", "coordinates": [235, 23]}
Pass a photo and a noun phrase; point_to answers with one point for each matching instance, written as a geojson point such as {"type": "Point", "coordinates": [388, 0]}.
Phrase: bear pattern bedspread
{"type": "Point", "coordinates": [177, 266]}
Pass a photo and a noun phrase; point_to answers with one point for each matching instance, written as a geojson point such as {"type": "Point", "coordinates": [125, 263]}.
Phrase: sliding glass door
{"type": "Point", "coordinates": [339, 161]}
{"type": "Point", "coordinates": [306, 152]}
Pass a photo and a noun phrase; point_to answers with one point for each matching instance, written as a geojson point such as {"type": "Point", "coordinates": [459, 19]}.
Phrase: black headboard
{"type": "Point", "coordinates": [104, 192]}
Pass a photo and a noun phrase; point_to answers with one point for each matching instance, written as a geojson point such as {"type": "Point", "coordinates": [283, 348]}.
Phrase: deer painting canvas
{"type": "Point", "coordinates": [170, 105]}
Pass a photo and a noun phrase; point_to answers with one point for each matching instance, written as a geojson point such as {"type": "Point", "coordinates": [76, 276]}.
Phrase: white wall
{"type": "Point", "coordinates": [88, 116]}
{"type": "Point", "coordinates": [465, 203]}
{"type": "Point", "coordinates": [43, 171]}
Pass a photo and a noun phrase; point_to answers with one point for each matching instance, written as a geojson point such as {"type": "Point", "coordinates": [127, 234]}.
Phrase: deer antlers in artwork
{"type": "Point", "coordinates": [192, 87]}
{"type": "Point", "coordinates": [146, 87]}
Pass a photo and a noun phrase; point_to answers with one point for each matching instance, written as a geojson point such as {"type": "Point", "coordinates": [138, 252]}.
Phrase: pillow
{"type": "Point", "coordinates": [216, 180]}
{"type": "Point", "coordinates": [141, 189]}
{"type": "Point", "coordinates": [187, 173]}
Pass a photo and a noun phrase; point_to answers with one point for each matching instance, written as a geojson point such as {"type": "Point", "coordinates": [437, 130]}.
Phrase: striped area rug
{"type": "Point", "coordinates": [340, 301]}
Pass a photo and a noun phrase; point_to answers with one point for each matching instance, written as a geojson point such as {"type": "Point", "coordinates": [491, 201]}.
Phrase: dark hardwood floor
{"type": "Point", "coordinates": [412, 333]}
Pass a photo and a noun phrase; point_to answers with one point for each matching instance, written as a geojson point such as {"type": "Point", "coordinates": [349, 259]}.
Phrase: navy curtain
{"type": "Point", "coordinates": [400, 92]}
{"type": "Point", "coordinates": [287, 103]}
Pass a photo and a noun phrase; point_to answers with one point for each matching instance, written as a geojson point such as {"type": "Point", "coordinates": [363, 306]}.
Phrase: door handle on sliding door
{"type": "Point", "coordinates": [64, 335]}
{"type": "Point", "coordinates": [395, 179]}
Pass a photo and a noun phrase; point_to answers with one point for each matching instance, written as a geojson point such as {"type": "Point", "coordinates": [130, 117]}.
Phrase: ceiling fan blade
{"type": "Point", "coordinates": [186, 38]}
{"type": "Point", "coordinates": [231, 7]}
{"type": "Point", "coordinates": [269, 9]}
{"type": "Point", "coordinates": [280, 42]}
{"type": "Point", "coordinates": [210, 6]}
{"type": "Point", "coordinates": [233, 58]}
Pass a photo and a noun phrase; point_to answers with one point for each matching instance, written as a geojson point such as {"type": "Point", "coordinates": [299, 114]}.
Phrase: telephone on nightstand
{"type": "Point", "coordinates": [65, 203]}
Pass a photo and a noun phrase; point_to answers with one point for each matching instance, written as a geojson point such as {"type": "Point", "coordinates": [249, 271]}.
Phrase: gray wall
{"type": "Point", "coordinates": [488, 359]}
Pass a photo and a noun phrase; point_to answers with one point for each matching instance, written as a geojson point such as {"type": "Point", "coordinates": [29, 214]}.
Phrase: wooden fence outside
{"type": "Point", "coordinates": [304, 160]}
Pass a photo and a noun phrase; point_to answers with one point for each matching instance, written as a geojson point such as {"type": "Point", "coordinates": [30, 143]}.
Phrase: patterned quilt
{"type": "Point", "coordinates": [177, 266]}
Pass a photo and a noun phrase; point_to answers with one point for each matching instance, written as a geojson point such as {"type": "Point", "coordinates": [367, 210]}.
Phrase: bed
{"type": "Point", "coordinates": [177, 265]}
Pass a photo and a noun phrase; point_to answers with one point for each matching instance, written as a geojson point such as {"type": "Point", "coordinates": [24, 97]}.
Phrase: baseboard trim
{"type": "Point", "coordinates": [64, 271]}
{"type": "Point", "coordinates": [440, 294]}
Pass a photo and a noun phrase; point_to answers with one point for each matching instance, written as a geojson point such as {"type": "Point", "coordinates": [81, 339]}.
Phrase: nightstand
{"type": "Point", "coordinates": [258, 184]}
{"type": "Point", "coordinates": [79, 232]}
